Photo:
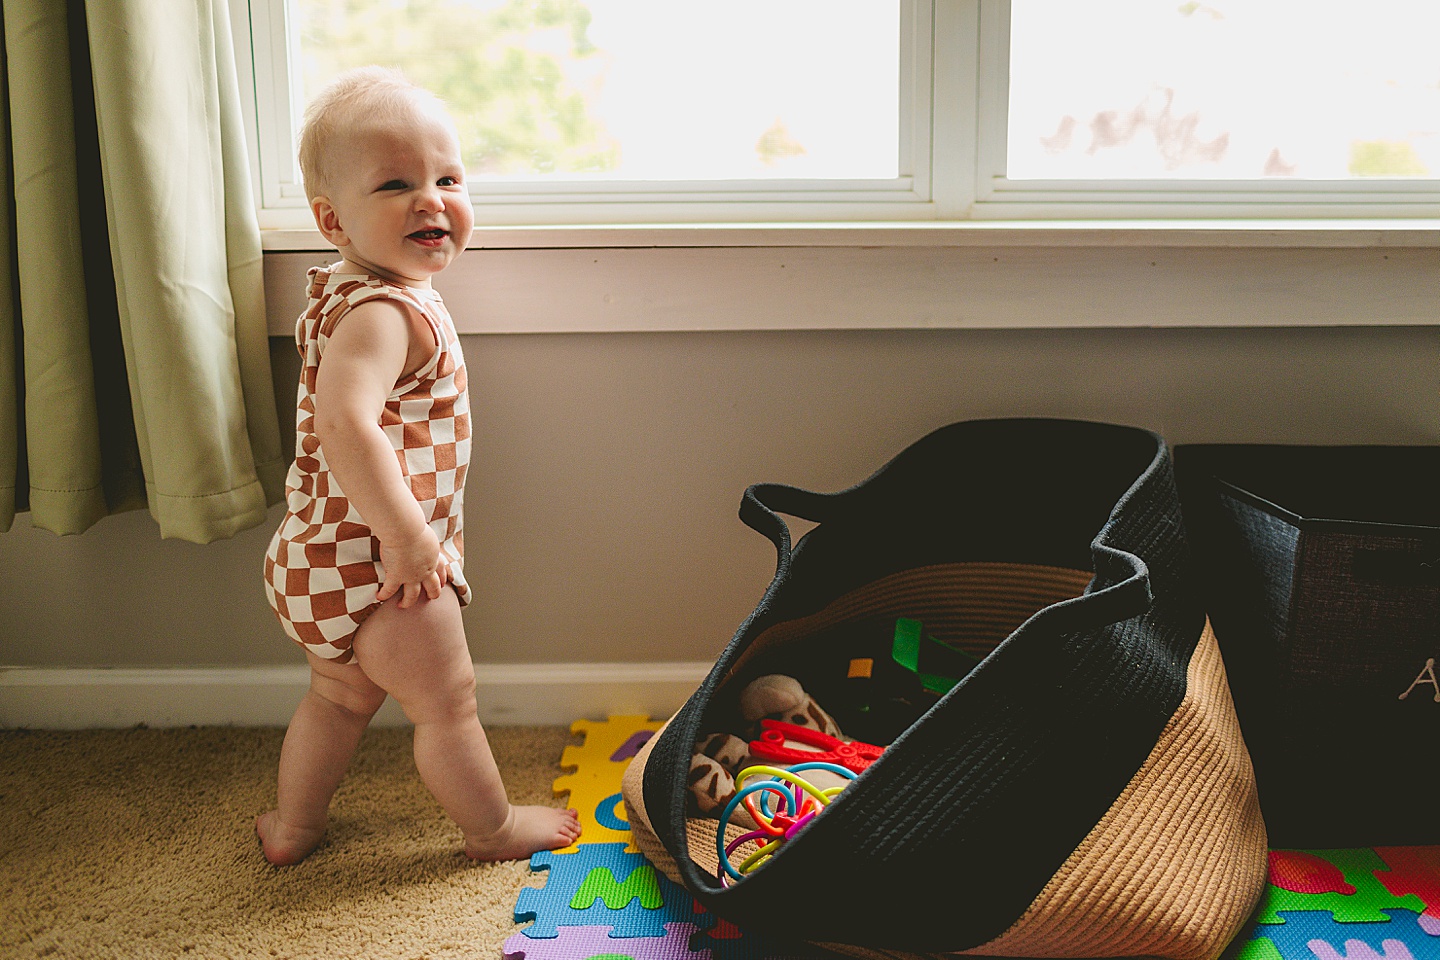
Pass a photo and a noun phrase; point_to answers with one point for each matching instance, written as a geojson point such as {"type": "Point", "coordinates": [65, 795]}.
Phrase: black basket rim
{"type": "Point", "coordinates": [1326, 524]}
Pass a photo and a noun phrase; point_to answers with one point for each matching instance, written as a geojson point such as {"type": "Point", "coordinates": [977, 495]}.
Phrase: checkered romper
{"type": "Point", "coordinates": [323, 569]}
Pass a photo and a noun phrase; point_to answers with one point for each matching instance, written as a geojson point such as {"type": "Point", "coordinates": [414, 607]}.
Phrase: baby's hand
{"type": "Point", "coordinates": [411, 567]}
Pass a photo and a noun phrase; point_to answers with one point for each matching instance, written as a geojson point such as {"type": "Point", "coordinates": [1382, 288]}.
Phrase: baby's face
{"type": "Point", "coordinates": [401, 208]}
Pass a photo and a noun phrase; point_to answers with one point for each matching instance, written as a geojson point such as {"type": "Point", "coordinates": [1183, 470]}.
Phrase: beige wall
{"type": "Point", "coordinates": [601, 509]}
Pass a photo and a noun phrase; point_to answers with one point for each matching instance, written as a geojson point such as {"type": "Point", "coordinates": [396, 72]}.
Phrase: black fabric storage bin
{"type": "Point", "coordinates": [1323, 586]}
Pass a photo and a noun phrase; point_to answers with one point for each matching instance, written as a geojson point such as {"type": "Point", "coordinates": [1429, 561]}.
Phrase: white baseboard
{"type": "Point", "coordinates": [519, 694]}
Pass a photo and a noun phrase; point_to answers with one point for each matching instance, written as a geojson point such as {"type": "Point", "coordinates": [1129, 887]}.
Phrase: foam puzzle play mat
{"type": "Point", "coordinates": [602, 900]}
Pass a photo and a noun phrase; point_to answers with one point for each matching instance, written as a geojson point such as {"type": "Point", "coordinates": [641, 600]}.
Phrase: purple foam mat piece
{"type": "Point", "coordinates": [584, 943]}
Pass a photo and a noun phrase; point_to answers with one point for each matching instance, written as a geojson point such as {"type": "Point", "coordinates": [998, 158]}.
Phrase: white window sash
{"type": "Point", "coordinates": [265, 41]}
{"type": "Point", "coordinates": [954, 93]}
{"type": "Point", "coordinates": [998, 198]}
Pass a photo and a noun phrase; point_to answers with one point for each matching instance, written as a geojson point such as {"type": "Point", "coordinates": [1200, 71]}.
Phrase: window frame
{"type": "Point", "coordinates": [999, 198]}
{"type": "Point", "coordinates": [955, 56]}
{"type": "Point", "coordinates": [262, 39]}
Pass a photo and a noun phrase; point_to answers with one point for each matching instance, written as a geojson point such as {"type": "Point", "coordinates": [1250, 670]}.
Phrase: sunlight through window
{"type": "Point", "coordinates": [636, 89]}
{"type": "Point", "coordinates": [1224, 89]}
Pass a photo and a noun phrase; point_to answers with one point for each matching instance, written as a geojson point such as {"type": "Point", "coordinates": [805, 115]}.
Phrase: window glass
{"type": "Point", "coordinates": [1224, 89]}
{"type": "Point", "coordinates": [635, 89]}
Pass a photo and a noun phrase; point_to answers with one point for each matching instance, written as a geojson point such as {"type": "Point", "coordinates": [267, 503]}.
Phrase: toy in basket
{"type": "Point", "coordinates": [797, 801]}
{"type": "Point", "coordinates": [817, 747]}
{"type": "Point", "coordinates": [784, 801]}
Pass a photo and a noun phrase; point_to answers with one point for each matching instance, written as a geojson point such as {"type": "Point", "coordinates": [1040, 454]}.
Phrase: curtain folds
{"type": "Point", "coordinates": [134, 365]}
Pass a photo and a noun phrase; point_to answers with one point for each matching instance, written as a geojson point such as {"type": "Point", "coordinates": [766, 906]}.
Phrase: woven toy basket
{"type": "Point", "coordinates": [1083, 792]}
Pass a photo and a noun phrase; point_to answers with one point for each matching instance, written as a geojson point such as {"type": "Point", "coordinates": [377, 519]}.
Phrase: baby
{"type": "Point", "coordinates": [365, 571]}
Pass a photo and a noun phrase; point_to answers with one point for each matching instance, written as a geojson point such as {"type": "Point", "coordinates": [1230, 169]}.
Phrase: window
{"type": "Point", "coordinates": [1219, 108]}
{"type": "Point", "coordinates": [1254, 90]}
{"type": "Point", "coordinates": [630, 109]}
{"type": "Point", "coordinates": [639, 90]}
{"type": "Point", "coordinates": [656, 111]}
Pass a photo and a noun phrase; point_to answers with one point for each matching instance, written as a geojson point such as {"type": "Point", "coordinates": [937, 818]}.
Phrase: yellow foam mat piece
{"type": "Point", "coordinates": [594, 786]}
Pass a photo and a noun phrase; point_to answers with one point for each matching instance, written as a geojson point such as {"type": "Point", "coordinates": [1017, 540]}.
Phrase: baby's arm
{"type": "Point", "coordinates": [373, 347]}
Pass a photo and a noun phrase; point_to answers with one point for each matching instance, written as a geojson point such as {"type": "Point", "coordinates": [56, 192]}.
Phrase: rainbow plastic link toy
{"type": "Point", "coordinates": [796, 802]}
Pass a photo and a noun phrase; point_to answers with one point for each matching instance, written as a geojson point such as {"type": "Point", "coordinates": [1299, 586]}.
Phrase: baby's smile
{"type": "Point", "coordinates": [433, 237]}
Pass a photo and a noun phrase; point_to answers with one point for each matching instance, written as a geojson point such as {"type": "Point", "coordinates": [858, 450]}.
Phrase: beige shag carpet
{"type": "Point", "coordinates": [140, 843]}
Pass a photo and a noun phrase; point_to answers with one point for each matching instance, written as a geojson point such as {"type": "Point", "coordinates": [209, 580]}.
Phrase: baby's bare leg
{"type": "Point", "coordinates": [420, 656]}
{"type": "Point", "coordinates": [318, 746]}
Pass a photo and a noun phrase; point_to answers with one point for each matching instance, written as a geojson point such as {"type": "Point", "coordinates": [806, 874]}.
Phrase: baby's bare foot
{"type": "Point", "coordinates": [527, 830]}
{"type": "Point", "coordinates": [285, 845]}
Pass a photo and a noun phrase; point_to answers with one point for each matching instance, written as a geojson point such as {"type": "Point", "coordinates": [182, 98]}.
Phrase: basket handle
{"type": "Point", "coordinates": [763, 504]}
{"type": "Point", "coordinates": [1129, 592]}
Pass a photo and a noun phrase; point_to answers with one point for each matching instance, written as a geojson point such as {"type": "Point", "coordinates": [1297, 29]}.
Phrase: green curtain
{"type": "Point", "coordinates": [134, 365]}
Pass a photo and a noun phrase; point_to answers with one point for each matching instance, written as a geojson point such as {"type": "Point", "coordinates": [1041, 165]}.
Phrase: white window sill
{"type": "Point", "coordinates": [1008, 233]}
{"type": "Point", "coordinates": [871, 276]}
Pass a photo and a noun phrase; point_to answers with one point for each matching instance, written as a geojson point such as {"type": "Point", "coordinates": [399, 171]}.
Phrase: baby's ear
{"type": "Point", "coordinates": [327, 219]}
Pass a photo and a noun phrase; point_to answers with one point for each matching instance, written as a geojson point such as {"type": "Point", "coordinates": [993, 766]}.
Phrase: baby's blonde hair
{"type": "Point", "coordinates": [361, 95]}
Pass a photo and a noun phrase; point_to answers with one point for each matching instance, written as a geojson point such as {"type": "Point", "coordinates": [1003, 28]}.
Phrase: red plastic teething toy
{"type": "Point", "coordinates": [854, 756]}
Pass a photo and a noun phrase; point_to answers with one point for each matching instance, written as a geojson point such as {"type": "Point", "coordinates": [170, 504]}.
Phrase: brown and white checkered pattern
{"type": "Point", "coordinates": [323, 569]}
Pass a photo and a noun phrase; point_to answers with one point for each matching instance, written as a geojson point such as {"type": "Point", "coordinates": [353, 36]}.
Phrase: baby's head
{"type": "Point", "coordinates": [383, 172]}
